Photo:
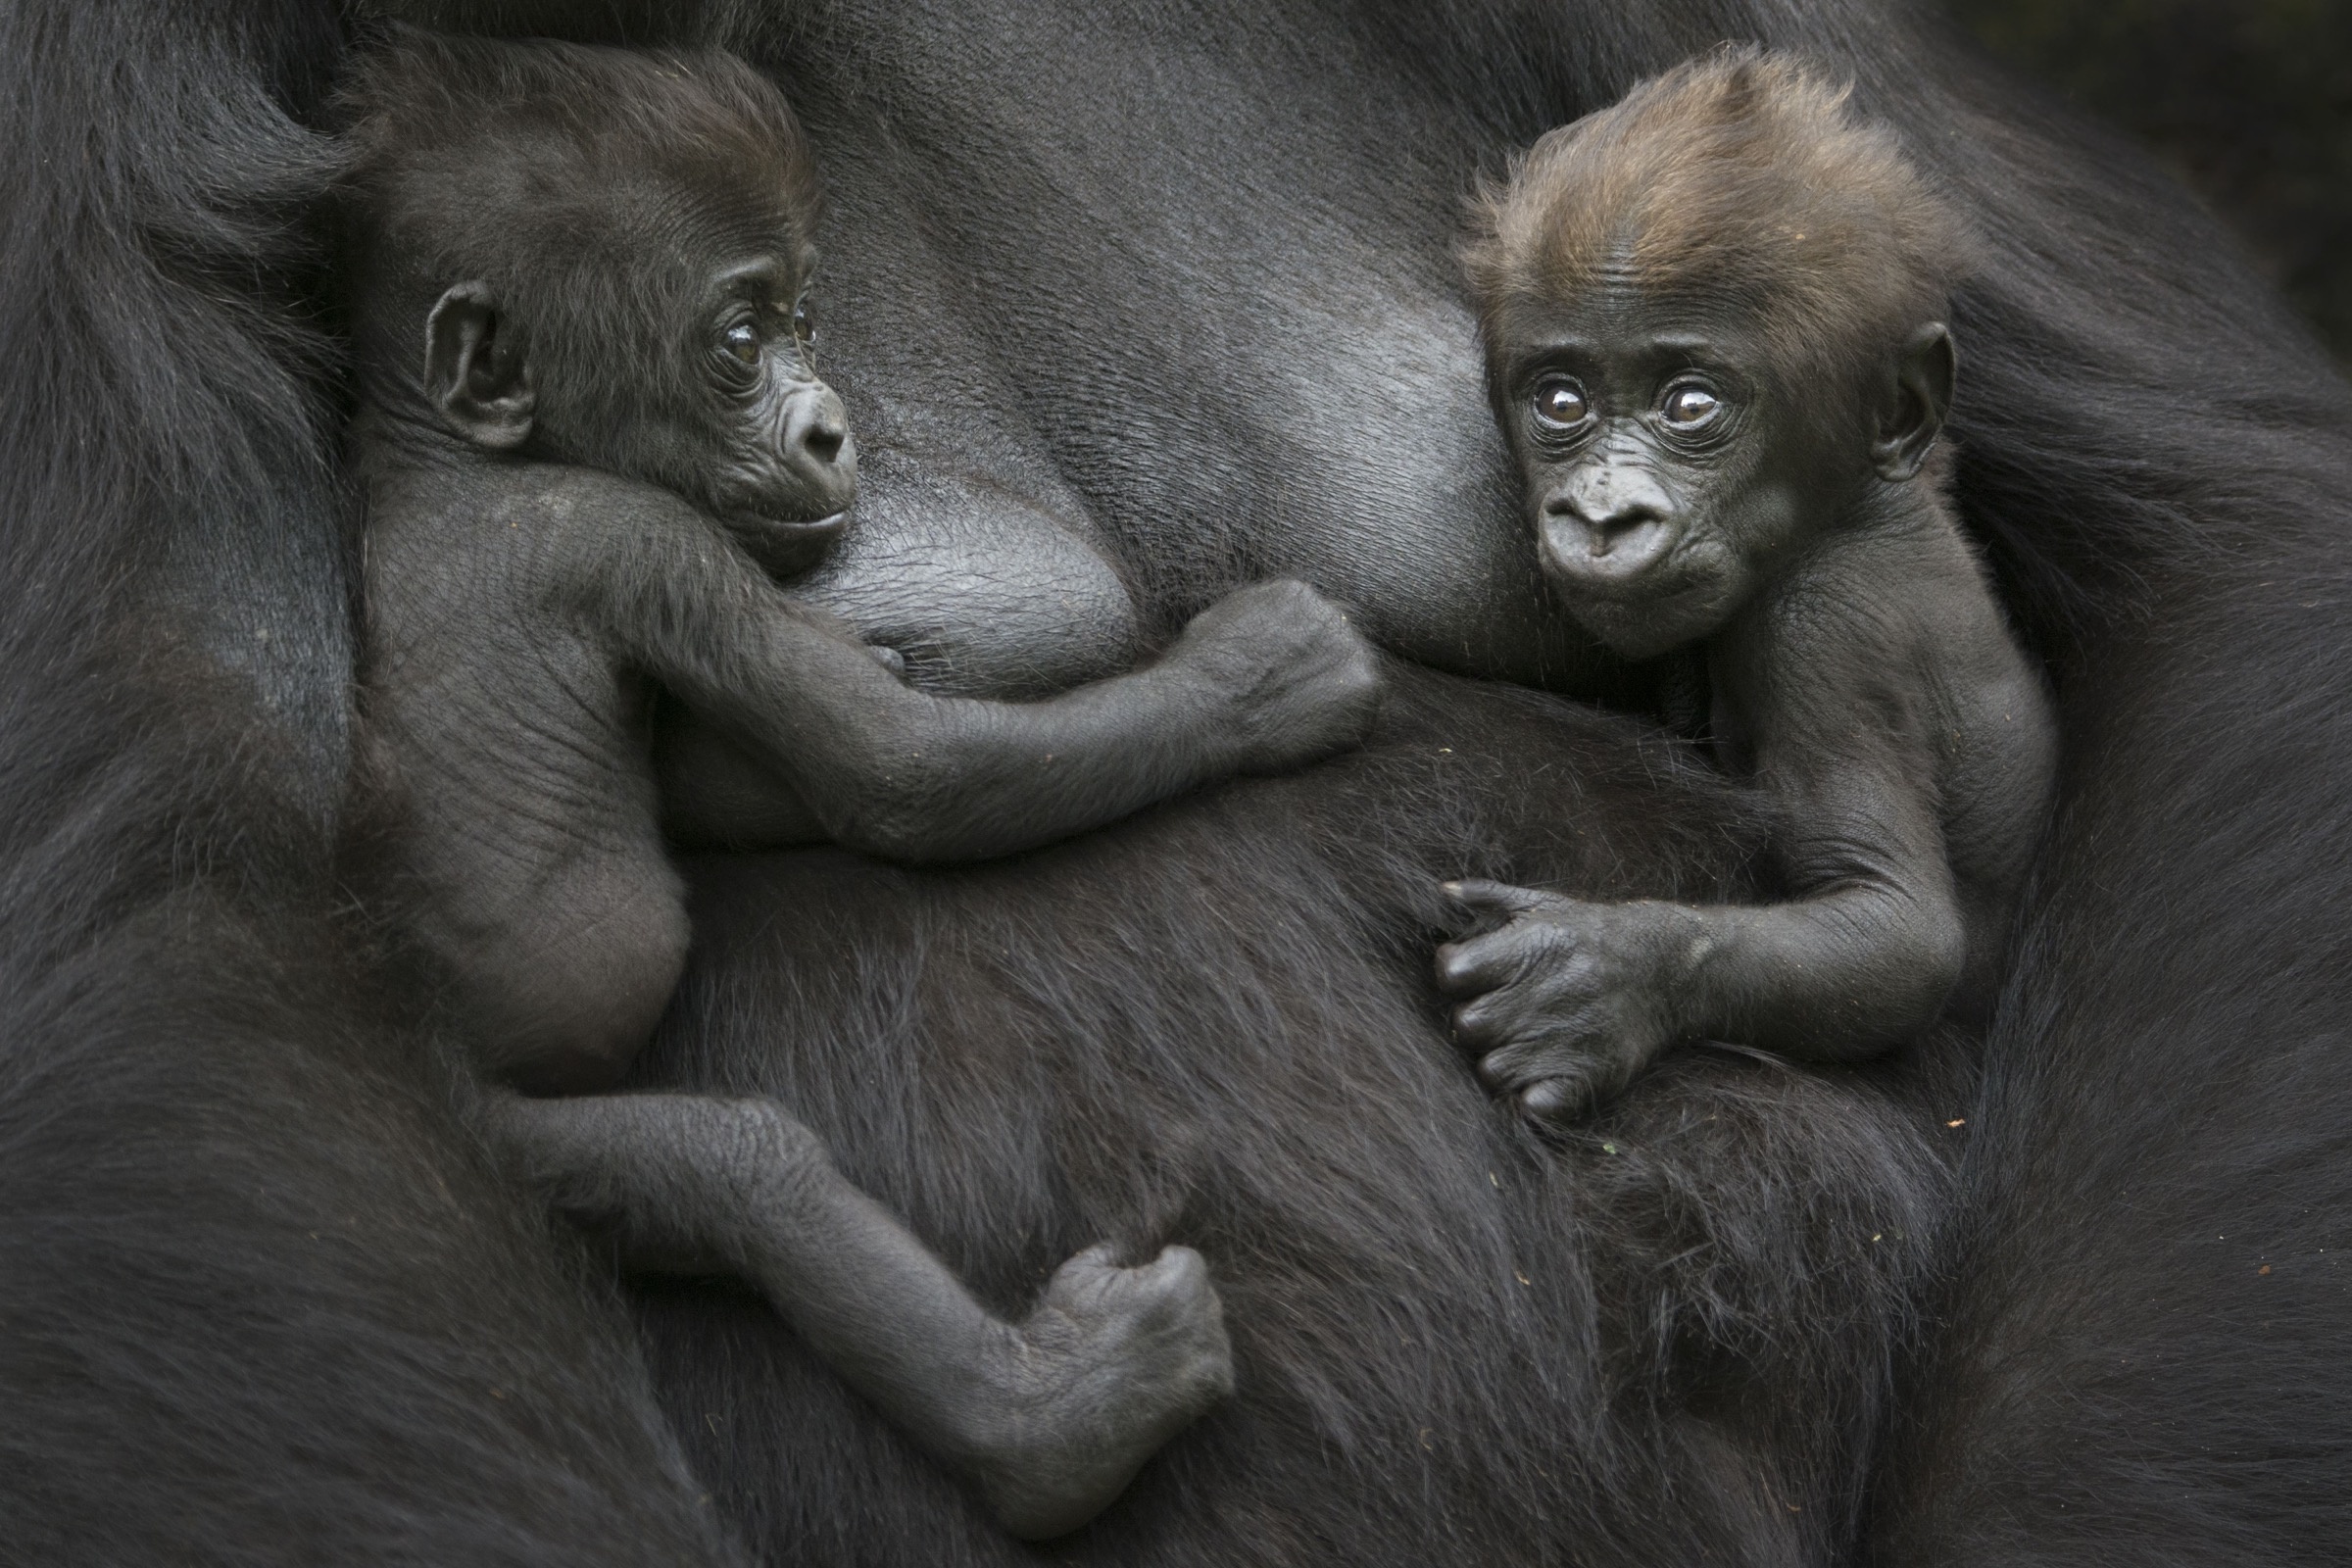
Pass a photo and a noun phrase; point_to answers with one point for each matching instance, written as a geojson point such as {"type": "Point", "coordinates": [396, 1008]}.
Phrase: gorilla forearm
{"type": "Point", "coordinates": [883, 767]}
{"type": "Point", "coordinates": [547, 531]}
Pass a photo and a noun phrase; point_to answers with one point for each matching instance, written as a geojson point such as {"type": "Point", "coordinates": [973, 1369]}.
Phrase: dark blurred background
{"type": "Point", "coordinates": [2248, 100]}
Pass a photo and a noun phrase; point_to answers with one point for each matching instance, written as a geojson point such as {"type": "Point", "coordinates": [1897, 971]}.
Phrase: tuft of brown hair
{"type": "Point", "coordinates": [1741, 179]}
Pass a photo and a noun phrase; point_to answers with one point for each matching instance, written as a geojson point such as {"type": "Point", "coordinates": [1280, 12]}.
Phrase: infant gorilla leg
{"type": "Point", "coordinates": [1049, 1418]}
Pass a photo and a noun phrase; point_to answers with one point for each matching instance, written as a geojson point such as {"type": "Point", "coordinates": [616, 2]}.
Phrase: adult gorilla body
{"type": "Point", "coordinates": [1135, 304]}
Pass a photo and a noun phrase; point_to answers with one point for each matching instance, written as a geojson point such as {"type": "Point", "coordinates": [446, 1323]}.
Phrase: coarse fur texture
{"type": "Point", "coordinates": [1176, 284]}
{"type": "Point", "coordinates": [1698, 1331]}
{"type": "Point", "coordinates": [248, 1250]}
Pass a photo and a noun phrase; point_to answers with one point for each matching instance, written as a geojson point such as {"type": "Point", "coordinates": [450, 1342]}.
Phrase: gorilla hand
{"type": "Point", "coordinates": [1567, 1000]}
{"type": "Point", "coordinates": [1298, 681]}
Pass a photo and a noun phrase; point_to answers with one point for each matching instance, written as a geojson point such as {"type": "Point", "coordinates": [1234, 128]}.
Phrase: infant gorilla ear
{"type": "Point", "coordinates": [592, 481]}
{"type": "Point", "coordinates": [1713, 319]}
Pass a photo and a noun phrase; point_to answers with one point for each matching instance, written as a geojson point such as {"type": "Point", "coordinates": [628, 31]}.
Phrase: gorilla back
{"type": "Point", "coordinates": [1180, 285]}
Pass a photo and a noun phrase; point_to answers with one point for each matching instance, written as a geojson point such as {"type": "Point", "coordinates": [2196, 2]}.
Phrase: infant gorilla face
{"type": "Point", "coordinates": [643, 310]}
{"type": "Point", "coordinates": [721, 401]}
{"type": "Point", "coordinates": [1664, 475]}
{"type": "Point", "coordinates": [780, 468]}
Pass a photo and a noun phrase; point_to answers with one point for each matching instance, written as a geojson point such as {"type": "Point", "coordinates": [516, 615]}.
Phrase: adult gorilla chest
{"type": "Point", "coordinates": [1195, 319]}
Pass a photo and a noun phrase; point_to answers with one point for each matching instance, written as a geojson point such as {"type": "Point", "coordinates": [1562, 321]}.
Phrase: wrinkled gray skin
{"type": "Point", "coordinates": [520, 613]}
{"type": "Point", "coordinates": [1683, 495]}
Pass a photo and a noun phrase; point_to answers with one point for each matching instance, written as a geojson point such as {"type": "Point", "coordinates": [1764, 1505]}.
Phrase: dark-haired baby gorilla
{"type": "Point", "coordinates": [589, 438]}
{"type": "Point", "coordinates": [1713, 316]}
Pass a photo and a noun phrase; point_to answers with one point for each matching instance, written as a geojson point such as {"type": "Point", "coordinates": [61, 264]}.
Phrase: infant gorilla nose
{"type": "Point", "coordinates": [1607, 529]}
{"type": "Point", "coordinates": [818, 452]}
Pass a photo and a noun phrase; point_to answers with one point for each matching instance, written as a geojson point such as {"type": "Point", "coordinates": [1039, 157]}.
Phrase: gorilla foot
{"type": "Point", "coordinates": [1112, 1363]}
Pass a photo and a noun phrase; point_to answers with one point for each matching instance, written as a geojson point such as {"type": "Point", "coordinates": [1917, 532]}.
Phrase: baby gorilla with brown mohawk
{"type": "Point", "coordinates": [1714, 325]}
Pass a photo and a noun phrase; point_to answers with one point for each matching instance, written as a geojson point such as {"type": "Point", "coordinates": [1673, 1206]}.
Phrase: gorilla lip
{"type": "Point", "coordinates": [1661, 582]}
{"type": "Point", "coordinates": [797, 530]}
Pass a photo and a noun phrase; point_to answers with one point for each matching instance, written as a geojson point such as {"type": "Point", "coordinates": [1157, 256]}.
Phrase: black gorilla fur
{"type": "Point", "coordinates": [260, 1301]}
{"type": "Point", "coordinates": [1453, 1340]}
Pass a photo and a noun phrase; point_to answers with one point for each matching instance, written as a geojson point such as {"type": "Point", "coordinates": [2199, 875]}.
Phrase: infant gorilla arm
{"type": "Point", "coordinates": [1711, 314]}
{"type": "Point", "coordinates": [583, 489]}
{"type": "Point", "coordinates": [1268, 679]}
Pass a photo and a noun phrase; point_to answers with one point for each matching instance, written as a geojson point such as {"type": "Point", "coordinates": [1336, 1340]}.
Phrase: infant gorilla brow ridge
{"type": "Point", "coordinates": [591, 441]}
{"type": "Point", "coordinates": [1713, 316]}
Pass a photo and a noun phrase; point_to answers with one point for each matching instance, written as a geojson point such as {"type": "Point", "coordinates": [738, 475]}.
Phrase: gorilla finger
{"type": "Point", "coordinates": [1483, 962]}
{"type": "Point", "coordinates": [1551, 1043]}
{"type": "Point", "coordinates": [1484, 1023]}
{"type": "Point", "coordinates": [1515, 1064]}
{"type": "Point", "coordinates": [1481, 897]}
{"type": "Point", "coordinates": [1558, 1100]}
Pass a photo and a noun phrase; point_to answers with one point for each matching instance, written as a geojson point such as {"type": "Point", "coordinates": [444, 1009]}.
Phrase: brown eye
{"type": "Point", "coordinates": [1690, 406]}
{"type": "Point", "coordinates": [742, 340]}
{"type": "Point", "coordinates": [803, 325]}
{"type": "Point", "coordinates": [1560, 402]}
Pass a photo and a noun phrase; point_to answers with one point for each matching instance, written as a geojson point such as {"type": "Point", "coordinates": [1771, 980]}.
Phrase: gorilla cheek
{"type": "Point", "coordinates": [1760, 519]}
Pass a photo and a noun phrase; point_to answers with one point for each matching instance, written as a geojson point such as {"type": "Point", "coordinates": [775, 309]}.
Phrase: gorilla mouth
{"type": "Point", "coordinates": [1665, 588]}
{"type": "Point", "coordinates": [801, 531]}
{"type": "Point", "coordinates": [785, 546]}
{"type": "Point", "coordinates": [831, 526]}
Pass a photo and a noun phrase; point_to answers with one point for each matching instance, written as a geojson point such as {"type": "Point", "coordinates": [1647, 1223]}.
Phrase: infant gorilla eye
{"type": "Point", "coordinates": [743, 341]}
{"type": "Point", "coordinates": [1560, 402]}
{"type": "Point", "coordinates": [1690, 406]}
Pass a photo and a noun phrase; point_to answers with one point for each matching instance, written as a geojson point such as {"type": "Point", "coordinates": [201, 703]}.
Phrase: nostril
{"type": "Point", "coordinates": [1620, 526]}
{"type": "Point", "coordinates": [817, 428]}
{"type": "Point", "coordinates": [823, 440]}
